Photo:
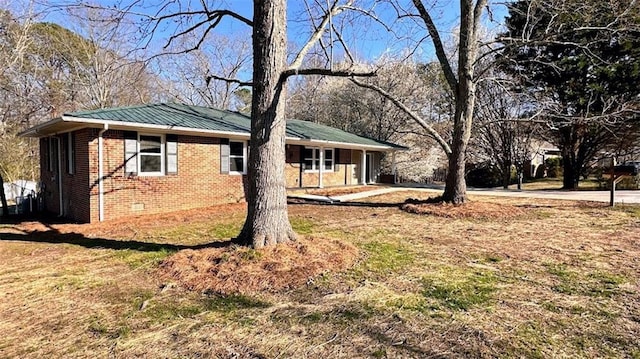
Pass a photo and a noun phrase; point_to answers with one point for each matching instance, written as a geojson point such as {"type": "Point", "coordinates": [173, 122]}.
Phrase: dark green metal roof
{"type": "Point", "coordinates": [173, 115]}
{"type": "Point", "coordinates": [204, 118]}
{"type": "Point", "coordinates": [316, 131]}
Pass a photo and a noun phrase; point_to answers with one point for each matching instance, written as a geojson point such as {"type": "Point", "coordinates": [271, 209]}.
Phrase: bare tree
{"type": "Point", "coordinates": [267, 220]}
{"type": "Point", "coordinates": [190, 75]}
{"type": "Point", "coordinates": [340, 103]}
{"type": "Point", "coordinates": [504, 131]}
{"type": "Point", "coordinates": [461, 80]}
{"type": "Point", "coordinates": [14, 43]}
{"type": "Point", "coordinates": [107, 67]}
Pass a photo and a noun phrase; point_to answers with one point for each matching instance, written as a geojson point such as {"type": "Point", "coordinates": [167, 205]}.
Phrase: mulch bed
{"type": "Point", "coordinates": [469, 210]}
{"type": "Point", "coordinates": [241, 270]}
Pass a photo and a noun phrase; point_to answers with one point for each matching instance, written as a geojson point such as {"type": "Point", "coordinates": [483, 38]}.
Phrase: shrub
{"type": "Point", "coordinates": [484, 175]}
{"type": "Point", "coordinates": [554, 167]}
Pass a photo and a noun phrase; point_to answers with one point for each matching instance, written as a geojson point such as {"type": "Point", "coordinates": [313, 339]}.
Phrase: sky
{"type": "Point", "coordinates": [367, 40]}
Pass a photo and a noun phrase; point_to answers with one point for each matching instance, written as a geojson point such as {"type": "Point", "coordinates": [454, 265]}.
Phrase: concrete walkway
{"type": "Point", "coordinates": [622, 197]}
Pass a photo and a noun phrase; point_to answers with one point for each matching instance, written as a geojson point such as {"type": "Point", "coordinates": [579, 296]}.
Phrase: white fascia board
{"type": "Point", "coordinates": [158, 128]}
{"type": "Point", "coordinates": [335, 144]}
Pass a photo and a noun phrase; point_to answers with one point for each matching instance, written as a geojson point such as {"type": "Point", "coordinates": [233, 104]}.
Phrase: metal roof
{"type": "Point", "coordinates": [197, 119]}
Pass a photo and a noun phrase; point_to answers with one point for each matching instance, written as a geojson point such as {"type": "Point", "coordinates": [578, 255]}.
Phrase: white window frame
{"type": "Point", "coordinates": [161, 155]}
{"type": "Point", "coordinates": [316, 159]}
{"type": "Point", "coordinates": [244, 158]}
{"type": "Point", "coordinates": [333, 159]}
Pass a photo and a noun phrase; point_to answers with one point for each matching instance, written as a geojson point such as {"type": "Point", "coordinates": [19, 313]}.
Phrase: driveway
{"type": "Point", "coordinates": [622, 197]}
{"type": "Point", "coordinates": [594, 196]}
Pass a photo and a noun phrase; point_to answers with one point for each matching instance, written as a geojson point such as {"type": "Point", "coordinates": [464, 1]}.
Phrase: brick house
{"type": "Point", "coordinates": [109, 163]}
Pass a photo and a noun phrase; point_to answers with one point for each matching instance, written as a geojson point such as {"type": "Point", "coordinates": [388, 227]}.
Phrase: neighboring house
{"type": "Point", "coordinates": [540, 151]}
{"type": "Point", "coordinates": [109, 163]}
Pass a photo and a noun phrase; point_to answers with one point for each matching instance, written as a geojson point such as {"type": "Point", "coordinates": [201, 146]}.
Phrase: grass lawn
{"type": "Point", "coordinates": [531, 278]}
{"type": "Point", "coordinates": [590, 184]}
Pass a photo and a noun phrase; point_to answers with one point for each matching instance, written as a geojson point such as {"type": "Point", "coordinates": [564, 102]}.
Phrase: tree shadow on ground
{"type": "Point", "coordinates": [297, 201]}
{"type": "Point", "coordinates": [54, 236]}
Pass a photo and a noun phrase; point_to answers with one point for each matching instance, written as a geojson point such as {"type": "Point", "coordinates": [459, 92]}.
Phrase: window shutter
{"type": "Point", "coordinates": [172, 153]}
{"type": "Point", "coordinates": [130, 153]}
{"type": "Point", "coordinates": [224, 155]}
{"type": "Point", "coordinates": [336, 160]}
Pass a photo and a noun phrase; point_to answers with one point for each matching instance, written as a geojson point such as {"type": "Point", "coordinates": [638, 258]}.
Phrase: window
{"type": "Point", "coordinates": [151, 153]}
{"type": "Point", "coordinates": [144, 154]}
{"type": "Point", "coordinates": [312, 159]}
{"type": "Point", "coordinates": [233, 156]}
{"type": "Point", "coordinates": [328, 159]}
{"type": "Point", "coordinates": [237, 162]}
{"type": "Point", "coordinates": [71, 152]}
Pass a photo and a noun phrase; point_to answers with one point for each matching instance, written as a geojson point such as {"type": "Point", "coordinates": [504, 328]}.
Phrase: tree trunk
{"type": "Point", "coordinates": [3, 198]}
{"type": "Point", "coordinates": [571, 173]}
{"type": "Point", "coordinates": [570, 166]}
{"type": "Point", "coordinates": [506, 176]}
{"type": "Point", "coordinates": [455, 190]}
{"type": "Point", "coordinates": [267, 220]}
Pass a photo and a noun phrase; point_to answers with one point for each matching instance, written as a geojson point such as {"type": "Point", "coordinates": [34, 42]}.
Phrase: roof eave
{"type": "Point", "coordinates": [115, 125]}
{"type": "Point", "coordinates": [347, 145]}
{"type": "Point", "coordinates": [39, 131]}
{"type": "Point", "coordinates": [35, 130]}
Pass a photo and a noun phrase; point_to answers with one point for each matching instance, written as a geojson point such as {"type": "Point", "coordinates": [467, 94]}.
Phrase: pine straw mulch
{"type": "Point", "coordinates": [468, 210]}
{"type": "Point", "coordinates": [241, 270]}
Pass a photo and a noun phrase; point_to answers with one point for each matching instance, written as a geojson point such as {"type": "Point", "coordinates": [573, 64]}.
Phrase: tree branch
{"type": "Point", "coordinates": [317, 34]}
{"type": "Point", "coordinates": [432, 132]}
{"type": "Point", "coordinates": [327, 72]}
{"type": "Point", "coordinates": [228, 80]}
{"type": "Point", "coordinates": [437, 44]}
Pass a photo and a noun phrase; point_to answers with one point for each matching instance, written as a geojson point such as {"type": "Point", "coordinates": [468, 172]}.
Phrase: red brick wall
{"type": "Point", "coordinates": [75, 186]}
{"type": "Point", "coordinates": [341, 175]}
{"type": "Point", "coordinates": [198, 182]}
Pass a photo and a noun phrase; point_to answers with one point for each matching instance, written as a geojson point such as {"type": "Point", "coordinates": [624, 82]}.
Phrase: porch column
{"type": "Point", "coordinates": [321, 168]}
{"type": "Point", "coordinates": [363, 168]}
{"type": "Point", "coordinates": [393, 167]}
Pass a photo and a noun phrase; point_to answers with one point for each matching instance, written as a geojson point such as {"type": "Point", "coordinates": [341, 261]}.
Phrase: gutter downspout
{"type": "Point", "coordinates": [101, 173]}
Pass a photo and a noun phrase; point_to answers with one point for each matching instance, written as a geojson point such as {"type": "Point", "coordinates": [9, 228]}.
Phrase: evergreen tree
{"type": "Point", "coordinates": [581, 60]}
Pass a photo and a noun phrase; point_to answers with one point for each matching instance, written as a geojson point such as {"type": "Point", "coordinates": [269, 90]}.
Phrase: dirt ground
{"type": "Point", "coordinates": [498, 278]}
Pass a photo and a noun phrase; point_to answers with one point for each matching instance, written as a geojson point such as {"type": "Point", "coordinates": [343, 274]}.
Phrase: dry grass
{"type": "Point", "coordinates": [555, 279]}
{"type": "Point", "coordinates": [556, 184]}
